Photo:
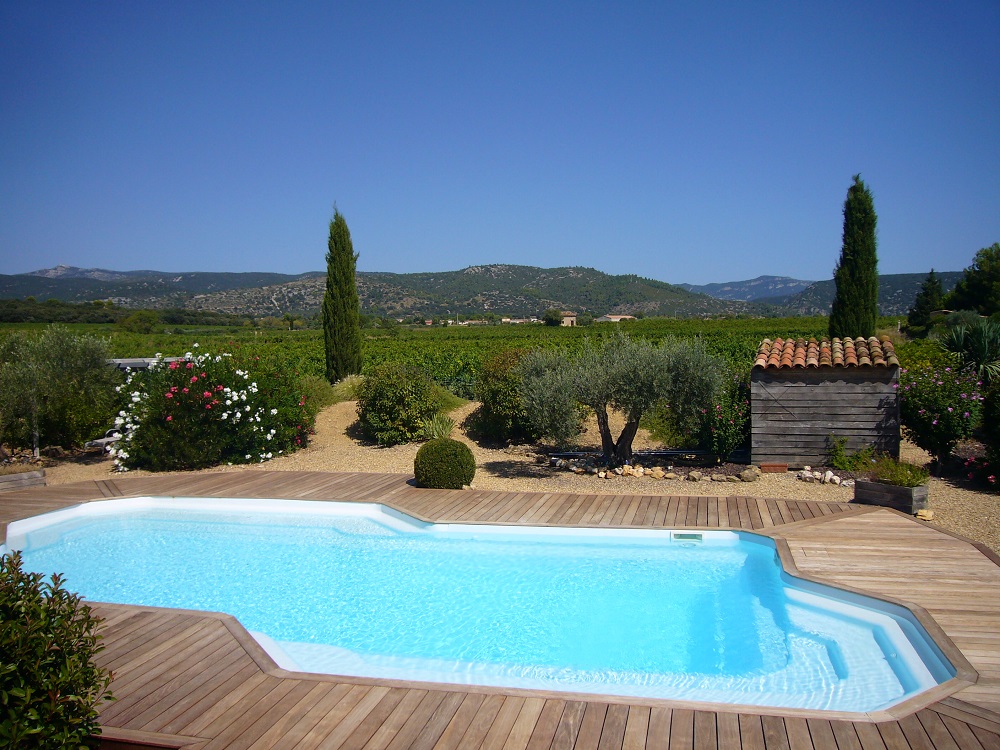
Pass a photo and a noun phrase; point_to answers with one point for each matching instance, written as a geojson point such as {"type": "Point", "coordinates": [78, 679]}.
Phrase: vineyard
{"type": "Point", "coordinates": [450, 355]}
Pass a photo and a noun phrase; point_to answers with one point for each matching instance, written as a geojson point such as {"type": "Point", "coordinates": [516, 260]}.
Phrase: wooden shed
{"type": "Point", "coordinates": [803, 393]}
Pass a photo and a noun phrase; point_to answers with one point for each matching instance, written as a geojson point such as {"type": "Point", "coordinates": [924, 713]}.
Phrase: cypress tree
{"type": "Point", "coordinates": [928, 299]}
{"type": "Point", "coordinates": [855, 306]}
{"type": "Point", "coordinates": [341, 309]}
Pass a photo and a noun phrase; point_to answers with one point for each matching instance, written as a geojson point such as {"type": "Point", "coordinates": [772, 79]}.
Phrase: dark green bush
{"type": "Point", "coordinates": [444, 464]}
{"type": "Point", "coordinates": [394, 402]}
{"type": "Point", "coordinates": [502, 415]}
{"type": "Point", "coordinates": [50, 687]}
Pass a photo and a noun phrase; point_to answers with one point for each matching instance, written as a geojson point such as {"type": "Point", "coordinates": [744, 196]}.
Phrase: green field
{"type": "Point", "coordinates": [451, 355]}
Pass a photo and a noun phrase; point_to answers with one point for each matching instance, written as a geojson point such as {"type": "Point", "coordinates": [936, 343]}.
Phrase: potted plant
{"type": "Point", "coordinates": [894, 484]}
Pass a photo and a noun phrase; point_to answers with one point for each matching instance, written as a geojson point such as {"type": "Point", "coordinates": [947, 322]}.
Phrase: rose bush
{"type": "Point", "coordinates": [204, 410]}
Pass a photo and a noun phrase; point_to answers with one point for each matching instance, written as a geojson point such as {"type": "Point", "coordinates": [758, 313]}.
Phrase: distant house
{"type": "Point", "coordinates": [805, 394]}
{"type": "Point", "coordinates": [613, 318]}
{"type": "Point", "coordinates": [568, 318]}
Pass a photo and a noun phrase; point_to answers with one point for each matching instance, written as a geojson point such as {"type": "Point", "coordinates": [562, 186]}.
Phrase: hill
{"type": "Point", "coordinates": [896, 292]}
{"type": "Point", "coordinates": [500, 289]}
{"type": "Point", "coordinates": [763, 287]}
{"type": "Point", "coordinates": [503, 290]}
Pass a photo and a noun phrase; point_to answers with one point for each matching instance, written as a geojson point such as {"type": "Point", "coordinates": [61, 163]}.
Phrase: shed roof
{"type": "Point", "coordinates": [803, 354]}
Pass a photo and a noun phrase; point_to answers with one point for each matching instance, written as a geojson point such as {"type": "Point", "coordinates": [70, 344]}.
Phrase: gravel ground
{"type": "Point", "coordinates": [956, 506]}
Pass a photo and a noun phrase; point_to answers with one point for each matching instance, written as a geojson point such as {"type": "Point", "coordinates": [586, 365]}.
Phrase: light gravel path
{"type": "Point", "coordinates": [956, 508]}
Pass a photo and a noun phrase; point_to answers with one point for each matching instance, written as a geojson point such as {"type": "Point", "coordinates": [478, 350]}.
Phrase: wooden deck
{"type": "Point", "coordinates": [197, 680]}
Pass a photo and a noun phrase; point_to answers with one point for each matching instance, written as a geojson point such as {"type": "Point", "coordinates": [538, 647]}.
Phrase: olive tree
{"type": "Point", "coordinates": [56, 388]}
{"type": "Point", "coordinates": [622, 375]}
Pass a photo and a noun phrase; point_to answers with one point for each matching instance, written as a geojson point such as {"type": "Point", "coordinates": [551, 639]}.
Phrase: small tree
{"type": "Point", "coordinates": [621, 375]}
{"type": "Point", "coordinates": [928, 299]}
{"type": "Point", "coordinates": [341, 308]}
{"type": "Point", "coordinates": [552, 317]}
{"type": "Point", "coordinates": [855, 306]}
{"type": "Point", "coordinates": [979, 287]}
{"type": "Point", "coordinates": [56, 388]}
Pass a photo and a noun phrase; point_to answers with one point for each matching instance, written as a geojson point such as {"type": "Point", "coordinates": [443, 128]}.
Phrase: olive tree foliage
{"type": "Point", "coordinates": [341, 307]}
{"type": "Point", "coordinates": [855, 305]}
{"type": "Point", "coordinates": [56, 388]}
{"type": "Point", "coordinates": [618, 374]}
{"type": "Point", "coordinates": [979, 287]}
{"type": "Point", "coordinates": [548, 397]}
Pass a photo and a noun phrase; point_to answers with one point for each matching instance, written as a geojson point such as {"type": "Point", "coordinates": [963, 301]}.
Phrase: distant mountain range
{"type": "Point", "coordinates": [762, 287]}
{"type": "Point", "coordinates": [499, 289]}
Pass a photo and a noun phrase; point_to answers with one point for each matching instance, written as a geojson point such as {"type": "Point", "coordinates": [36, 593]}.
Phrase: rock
{"type": "Point", "coordinates": [732, 478]}
{"type": "Point", "coordinates": [670, 475]}
{"type": "Point", "coordinates": [828, 477]}
{"type": "Point", "coordinates": [657, 473]}
{"type": "Point", "coordinates": [602, 474]}
{"type": "Point", "coordinates": [807, 468]}
{"type": "Point", "coordinates": [579, 470]}
{"type": "Point", "coordinates": [694, 476]}
{"type": "Point", "coordinates": [847, 483]}
{"type": "Point", "coordinates": [53, 451]}
{"type": "Point", "coordinates": [638, 471]}
{"type": "Point", "coordinates": [835, 480]}
{"type": "Point", "coordinates": [718, 477]}
{"type": "Point", "coordinates": [925, 514]}
{"type": "Point", "coordinates": [619, 471]}
{"type": "Point", "coordinates": [748, 475]}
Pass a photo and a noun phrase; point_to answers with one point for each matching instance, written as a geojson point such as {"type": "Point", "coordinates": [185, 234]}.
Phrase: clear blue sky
{"type": "Point", "coordinates": [683, 141]}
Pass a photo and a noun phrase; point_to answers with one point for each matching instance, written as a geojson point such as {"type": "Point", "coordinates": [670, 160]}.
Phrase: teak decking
{"type": "Point", "coordinates": [197, 680]}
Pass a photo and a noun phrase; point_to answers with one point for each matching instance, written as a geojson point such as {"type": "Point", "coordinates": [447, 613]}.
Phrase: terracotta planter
{"type": "Point", "coordinates": [907, 499]}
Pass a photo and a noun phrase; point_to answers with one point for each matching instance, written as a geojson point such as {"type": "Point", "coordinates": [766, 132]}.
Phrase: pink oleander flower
{"type": "Point", "coordinates": [184, 390]}
{"type": "Point", "coordinates": [168, 394]}
{"type": "Point", "coordinates": [190, 365]}
{"type": "Point", "coordinates": [170, 418]}
{"type": "Point", "coordinates": [207, 394]}
{"type": "Point", "coordinates": [194, 378]}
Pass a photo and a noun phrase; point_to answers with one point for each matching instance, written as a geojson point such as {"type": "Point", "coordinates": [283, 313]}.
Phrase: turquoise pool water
{"type": "Point", "coordinates": [364, 591]}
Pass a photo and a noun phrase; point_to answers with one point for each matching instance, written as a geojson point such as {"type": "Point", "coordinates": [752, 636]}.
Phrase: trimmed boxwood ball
{"type": "Point", "coordinates": [444, 464]}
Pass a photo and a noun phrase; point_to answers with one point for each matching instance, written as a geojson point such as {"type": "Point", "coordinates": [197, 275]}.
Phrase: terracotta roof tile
{"type": "Point", "coordinates": [799, 353]}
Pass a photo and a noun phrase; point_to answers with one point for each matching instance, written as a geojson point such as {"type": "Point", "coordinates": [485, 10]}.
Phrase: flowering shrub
{"type": "Point", "coordinates": [205, 410]}
{"type": "Point", "coordinates": [725, 423]}
{"type": "Point", "coordinates": [984, 469]}
{"type": "Point", "coordinates": [939, 407]}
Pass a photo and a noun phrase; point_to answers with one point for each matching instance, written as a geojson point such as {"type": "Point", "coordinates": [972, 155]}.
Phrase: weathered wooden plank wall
{"type": "Point", "coordinates": [795, 412]}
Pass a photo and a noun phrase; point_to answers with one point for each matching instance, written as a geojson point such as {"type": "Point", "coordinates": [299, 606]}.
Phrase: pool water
{"type": "Point", "coordinates": [361, 590]}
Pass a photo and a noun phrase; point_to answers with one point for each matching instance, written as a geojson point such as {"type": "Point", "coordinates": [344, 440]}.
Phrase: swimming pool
{"type": "Point", "coordinates": [362, 590]}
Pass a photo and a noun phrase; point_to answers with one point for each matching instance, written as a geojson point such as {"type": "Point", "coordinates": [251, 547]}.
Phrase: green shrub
{"type": "Point", "coordinates": [394, 402]}
{"type": "Point", "coordinates": [444, 464]}
{"type": "Point", "coordinates": [501, 415]}
{"type": "Point", "coordinates": [726, 422]}
{"type": "Point", "coordinates": [56, 388]}
{"type": "Point", "coordinates": [317, 394]}
{"type": "Point", "coordinates": [890, 471]}
{"type": "Point", "coordinates": [206, 410]}
{"type": "Point", "coordinates": [548, 395]}
{"type": "Point", "coordinates": [939, 407]}
{"type": "Point", "coordinates": [840, 459]}
{"type": "Point", "coordinates": [50, 687]}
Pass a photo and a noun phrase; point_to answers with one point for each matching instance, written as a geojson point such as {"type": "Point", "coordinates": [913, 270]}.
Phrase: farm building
{"type": "Point", "coordinates": [804, 393]}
